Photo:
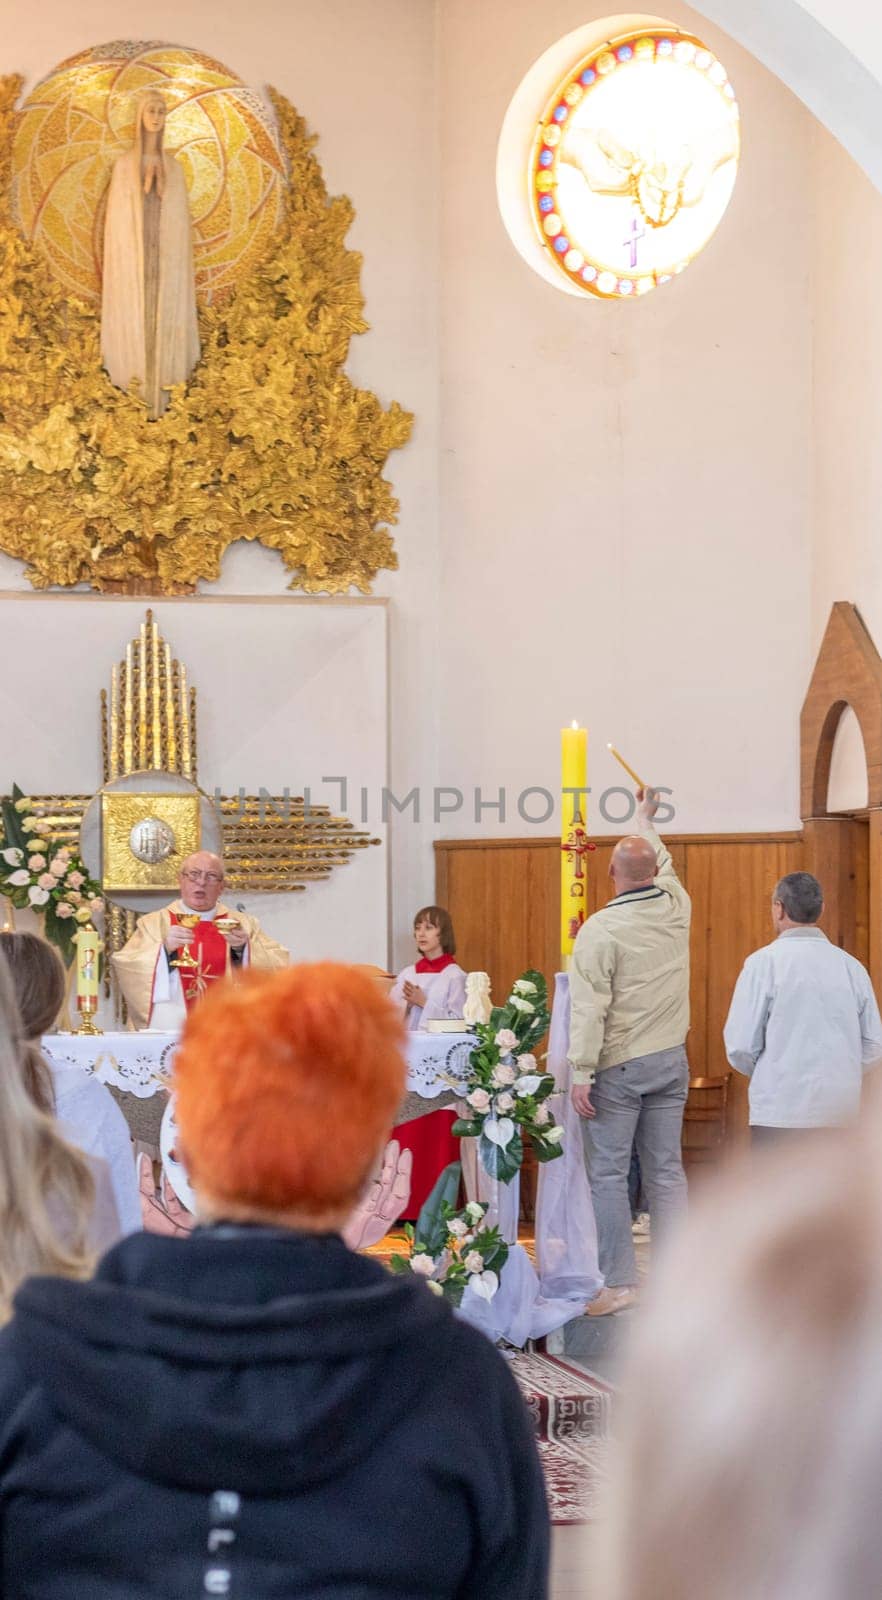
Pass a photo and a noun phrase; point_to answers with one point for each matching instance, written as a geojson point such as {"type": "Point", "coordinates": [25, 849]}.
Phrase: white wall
{"type": "Point", "coordinates": [625, 497]}
{"type": "Point", "coordinates": [847, 460]}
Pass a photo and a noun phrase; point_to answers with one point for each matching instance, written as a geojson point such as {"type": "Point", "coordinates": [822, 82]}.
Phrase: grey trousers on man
{"type": "Point", "coordinates": [640, 1100]}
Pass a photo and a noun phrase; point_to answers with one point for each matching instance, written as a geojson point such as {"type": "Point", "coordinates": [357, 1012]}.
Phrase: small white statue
{"type": "Point", "coordinates": [477, 1006]}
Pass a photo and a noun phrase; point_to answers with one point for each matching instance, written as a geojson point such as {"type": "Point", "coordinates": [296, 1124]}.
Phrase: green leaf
{"type": "Point", "coordinates": [453, 1292]}
{"type": "Point", "coordinates": [398, 1264]}
{"type": "Point", "coordinates": [12, 829]}
{"type": "Point", "coordinates": [432, 1221]}
{"type": "Point", "coordinates": [543, 1151]}
{"type": "Point", "coordinates": [499, 1163]}
{"type": "Point", "coordinates": [465, 1130]}
{"type": "Point", "coordinates": [496, 1257]}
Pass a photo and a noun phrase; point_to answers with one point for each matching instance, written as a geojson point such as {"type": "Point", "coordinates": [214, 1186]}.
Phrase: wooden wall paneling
{"type": "Point", "coordinates": [837, 852]}
{"type": "Point", "coordinates": [874, 910]}
{"type": "Point", "coordinates": [503, 896]}
{"type": "Point", "coordinates": [861, 873]}
{"type": "Point", "coordinates": [696, 877]}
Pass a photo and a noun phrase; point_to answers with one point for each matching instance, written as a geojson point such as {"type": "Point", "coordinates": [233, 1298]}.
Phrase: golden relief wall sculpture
{"type": "Point", "coordinates": [270, 440]}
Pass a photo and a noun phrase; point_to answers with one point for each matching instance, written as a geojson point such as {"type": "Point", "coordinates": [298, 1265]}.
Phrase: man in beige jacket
{"type": "Point", "coordinates": [629, 991]}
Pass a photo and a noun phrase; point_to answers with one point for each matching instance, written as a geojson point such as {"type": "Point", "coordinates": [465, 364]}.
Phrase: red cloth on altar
{"type": "Point", "coordinates": [208, 947]}
{"type": "Point", "coordinates": [433, 1147]}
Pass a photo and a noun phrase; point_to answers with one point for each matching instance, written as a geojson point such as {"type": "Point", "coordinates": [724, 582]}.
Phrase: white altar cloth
{"type": "Point", "coordinates": [141, 1063]}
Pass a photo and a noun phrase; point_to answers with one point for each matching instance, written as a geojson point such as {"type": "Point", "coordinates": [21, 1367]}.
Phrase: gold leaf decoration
{"type": "Point", "coordinates": [269, 441]}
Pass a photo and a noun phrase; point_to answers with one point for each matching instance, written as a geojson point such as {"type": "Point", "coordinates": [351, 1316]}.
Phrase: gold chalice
{"type": "Point", "coordinates": [184, 958]}
{"type": "Point", "coordinates": [226, 924]}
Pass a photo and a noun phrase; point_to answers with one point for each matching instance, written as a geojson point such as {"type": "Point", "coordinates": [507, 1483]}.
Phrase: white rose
{"type": "Point", "coordinates": [474, 1261]}
{"type": "Point", "coordinates": [63, 909]}
{"type": "Point", "coordinates": [505, 1102]}
{"type": "Point", "coordinates": [38, 896]}
{"type": "Point", "coordinates": [503, 1074]}
{"type": "Point", "coordinates": [83, 914]}
{"type": "Point", "coordinates": [20, 878]}
{"type": "Point", "coordinates": [526, 1063]}
{"type": "Point", "coordinates": [525, 1006]}
{"type": "Point", "coordinates": [96, 904]}
{"type": "Point", "coordinates": [541, 1116]}
{"type": "Point", "coordinates": [47, 880]}
{"type": "Point", "coordinates": [29, 825]}
{"type": "Point", "coordinates": [457, 1227]}
{"type": "Point", "coordinates": [24, 804]}
{"type": "Point", "coordinates": [554, 1135]}
{"type": "Point", "coordinates": [524, 986]}
{"type": "Point", "coordinates": [480, 1099]}
{"type": "Point", "coordinates": [475, 1211]}
{"type": "Point", "coordinates": [43, 827]}
{"type": "Point", "coordinates": [506, 1040]}
{"type": "Point", "coordinates": [37, 863]}
{"type": "Point", "coordinates": [75, 879]}
{"type": "Point", "coordinates": [58, 865]}
{"type": "Point", "coordinates": [423, 1265]}
{"type": "Point", "coordinates": [13, 857]}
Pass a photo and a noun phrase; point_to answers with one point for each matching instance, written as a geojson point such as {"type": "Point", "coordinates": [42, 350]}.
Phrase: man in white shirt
{"type": "Point", "coordinates": [629, 1016]}
{"type": "Point", "coordinates": [803, 1025]}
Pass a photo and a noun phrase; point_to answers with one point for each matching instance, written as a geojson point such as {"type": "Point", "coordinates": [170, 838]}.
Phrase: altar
{"type": "Point", "coordinates": [141, 1064]}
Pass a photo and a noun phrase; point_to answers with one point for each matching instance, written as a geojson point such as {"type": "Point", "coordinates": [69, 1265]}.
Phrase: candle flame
{"type": "Point", "coordinates": [574, 724]}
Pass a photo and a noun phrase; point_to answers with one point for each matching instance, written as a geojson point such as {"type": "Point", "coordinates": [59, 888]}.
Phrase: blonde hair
{"type": "Point", "coordinates": [750, 1448]}
{"type": "Point", "coordinates": [46, 1188]}
{"type": "Point", "coordinates": [39, 985]}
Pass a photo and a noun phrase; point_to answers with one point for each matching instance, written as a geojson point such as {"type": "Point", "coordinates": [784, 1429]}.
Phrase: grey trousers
{"type": "Point", "coordinates": [644, 1100]}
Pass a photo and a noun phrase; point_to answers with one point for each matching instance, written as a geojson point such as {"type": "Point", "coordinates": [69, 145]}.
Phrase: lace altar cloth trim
{"type": "Point", "coordinates": [141, 1063]}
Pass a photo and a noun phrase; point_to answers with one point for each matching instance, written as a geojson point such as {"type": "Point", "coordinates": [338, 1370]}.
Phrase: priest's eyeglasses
{"type": "Point", "coordinates": [203, 877]}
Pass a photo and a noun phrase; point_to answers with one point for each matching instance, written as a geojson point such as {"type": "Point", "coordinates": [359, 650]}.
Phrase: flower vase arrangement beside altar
{"type": "Point", "coordinates": [451, 1249]}
{"type": "Point", "coordinates": [40, 874]}
{"type": "Point", "coordinates": [506, 1090]}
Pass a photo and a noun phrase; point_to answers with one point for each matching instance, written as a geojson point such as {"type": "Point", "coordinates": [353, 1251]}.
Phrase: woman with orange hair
{"type": "Point", "coordinates": [262, 1398]}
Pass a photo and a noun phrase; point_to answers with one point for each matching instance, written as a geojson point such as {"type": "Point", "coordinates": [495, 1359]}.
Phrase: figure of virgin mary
{"type": "Point", "coordinates": [148, 291]}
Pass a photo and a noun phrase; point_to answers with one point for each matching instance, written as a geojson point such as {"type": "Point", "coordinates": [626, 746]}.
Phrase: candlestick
{"type": "Point", "coordinates": [574, 840]}
{"type": "Point", "coordinates": [623, 763]}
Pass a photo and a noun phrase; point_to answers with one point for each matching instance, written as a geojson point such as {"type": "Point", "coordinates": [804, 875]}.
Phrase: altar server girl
{"type": "Point", "coordinates": [432, 988]}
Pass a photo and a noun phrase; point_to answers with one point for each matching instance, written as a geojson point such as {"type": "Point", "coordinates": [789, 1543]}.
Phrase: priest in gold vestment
{"type": "Point", "coordinates": [176, 955]}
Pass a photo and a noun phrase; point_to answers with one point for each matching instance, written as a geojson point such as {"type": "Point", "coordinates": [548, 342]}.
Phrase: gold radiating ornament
{"type": "Point", "coordinates": [269, 441]}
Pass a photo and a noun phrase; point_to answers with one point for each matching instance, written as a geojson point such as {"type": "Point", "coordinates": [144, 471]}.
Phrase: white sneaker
{"type": "Point", "coordinates": [640, 1227]}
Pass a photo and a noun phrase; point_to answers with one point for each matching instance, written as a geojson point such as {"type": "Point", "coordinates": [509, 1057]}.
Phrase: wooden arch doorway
{"type": "Point", "coordinates": [844, 850]}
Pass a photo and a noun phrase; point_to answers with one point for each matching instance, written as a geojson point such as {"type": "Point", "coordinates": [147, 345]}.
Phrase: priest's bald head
{"type": "Point", "coordinates": [201, 880]}
{"type": "Point", "coordinates": [634, 864]}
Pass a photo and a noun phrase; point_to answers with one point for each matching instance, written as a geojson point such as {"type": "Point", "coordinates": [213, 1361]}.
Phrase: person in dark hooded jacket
{"type": "Point", "coordinates": [255, 1411]}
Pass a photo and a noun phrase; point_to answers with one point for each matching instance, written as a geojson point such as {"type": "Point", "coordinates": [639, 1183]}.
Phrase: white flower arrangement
{"type": "Point", "coordinates": [505, 1091]}
{"type": "Point", "coordinates": [459, 1254]}
{"type": "Point", "coordinates": [39, 871]}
